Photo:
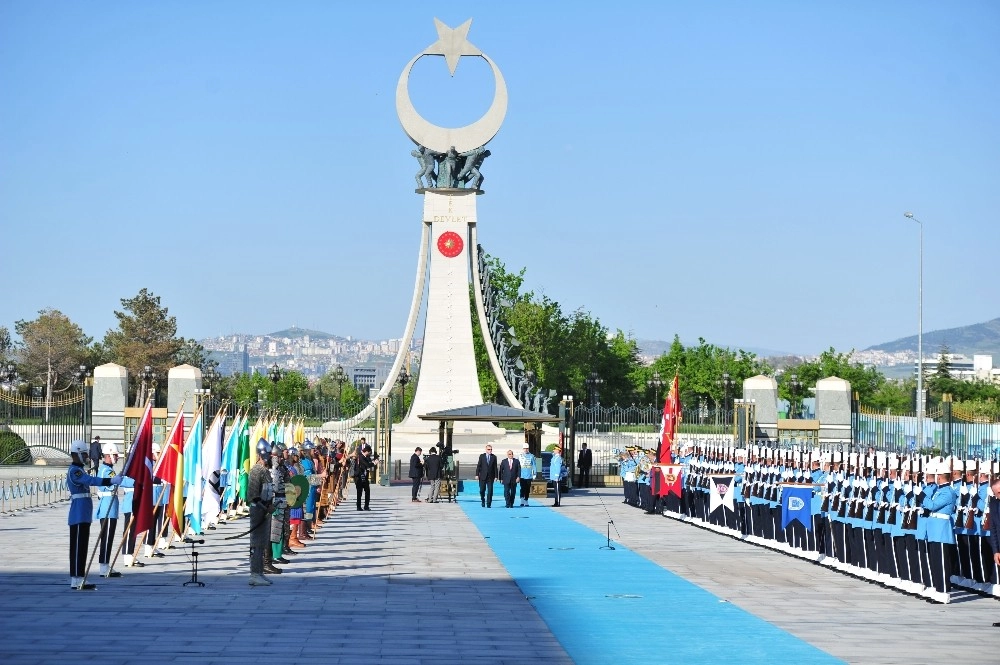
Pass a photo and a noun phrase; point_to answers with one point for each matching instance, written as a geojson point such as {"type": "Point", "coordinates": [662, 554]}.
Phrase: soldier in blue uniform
{"type": "Point", "coordinates": [939, 509]}
{"type": "Point", "coordinates": [128, 547]}
{"type": "Point", "coordinates": [106, 510]}
{"type": "Point", "coordinates": [81, 511]}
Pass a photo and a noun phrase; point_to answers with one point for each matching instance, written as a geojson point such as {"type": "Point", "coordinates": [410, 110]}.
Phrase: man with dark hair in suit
{"type": "Point", "coordinates": [994, 517]}
{"type": "Point", "coordinates": [486, 473]}
{"type": "Point", "coordinates": [584, 461]}
{"type": "Point", "coordinates": [416, 473]}
{"type": "Point", "coordinates": [510, 475]}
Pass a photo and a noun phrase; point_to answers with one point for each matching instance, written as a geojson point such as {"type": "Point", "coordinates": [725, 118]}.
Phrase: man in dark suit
{"type": "Point", "coordinates": [584, 461]}
{"type": "Point", "coordinates": [416, 473]}
{"type": "Point", "coordinates": [486, 473]}
{"type": "Point", "coordinates": [994, 517]}
{"type": "Point", "coordinates": [510, 476]}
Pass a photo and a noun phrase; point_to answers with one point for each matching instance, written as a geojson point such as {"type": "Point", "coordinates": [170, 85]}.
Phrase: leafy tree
{"type": "Point", "coordinates": [146, 335]}
{"type": "Point", "coordinates": [244, 388]}
{"type": "Point", "coordinates": [194, 354]}
{"type": "Point", "coordinates": [6, 346]}
{"type": "Point", "coordinates": [866, 381]}
{"type": "Point", "coordinates": [51, 351]}
{"type": "Point", "coordinates": [700, 370]}
{"type": "Point", "coordinates": [893, 396]}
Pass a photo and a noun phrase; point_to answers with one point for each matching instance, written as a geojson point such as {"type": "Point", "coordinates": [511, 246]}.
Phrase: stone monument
{"type": "Point", "coordinates": [833, 410]}
{"type": "Point", "coordinates": [763, 391]}
{"type": "Point", "coordinates": [109, 402]}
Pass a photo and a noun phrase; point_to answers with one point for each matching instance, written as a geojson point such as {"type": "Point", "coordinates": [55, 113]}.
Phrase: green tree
{"type": "Point", "coordinates": [193, 353]}
{"type": "Point", "coordinates": [146, 335]}
{"type": "Point", "coordinates": [865, 381]}
{"type": "Point", "coordinates": [700, 370]}
{"type": "Point", "coordinates": [51, 350]}
{"type": "Point", "coordinates": [6, 346]}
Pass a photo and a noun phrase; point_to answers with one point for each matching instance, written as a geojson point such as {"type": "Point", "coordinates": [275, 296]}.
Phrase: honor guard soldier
{"type": "Point", "coordinates": [107, 510]}
{"type": "Point", "coordinates": [81, 511]}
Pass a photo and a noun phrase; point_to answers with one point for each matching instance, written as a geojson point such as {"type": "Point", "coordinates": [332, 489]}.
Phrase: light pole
{"type": "Point", "coordinates": [275, 375]}
{"type": "Point", "coordinates": [594, 382]}
{"type": "Point", "coordinates": [920, 335]}
{"type": "Point", "coordinates": [9, 376]}
{"type": "Point", "coordinates": [726, 382]}
{"type": "Point", "coordinates": [655, 384]}
{"type": "Point", "coordinates": [794, 387]}
{"type": "Point", "coordinates": [147, 375]}
{"type": "Point", "coordinates": [404, 378]}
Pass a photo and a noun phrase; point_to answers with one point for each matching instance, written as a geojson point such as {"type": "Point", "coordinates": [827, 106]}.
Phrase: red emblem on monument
{"type": "Point", "coordinates": [450, 244]}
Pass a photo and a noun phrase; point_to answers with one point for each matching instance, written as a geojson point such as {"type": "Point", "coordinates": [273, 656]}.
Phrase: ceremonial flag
{"type": "Point", "coordinates": [230, 463]}
{"type": "Point", "coordinates": [668, 427]}
{"type": "Point", "coordinates": [796, 504]}
{"type": "Point", "coordinates": [671, 474]}
{"type": "Point", "coordinates": [193, 477]}
{"type": "Point", "coordinates": [170, 461]}
{"type": "Point", "coordinates": [211, 462]}
{"type": "Point", "coordinates": [139, 467]}
{"type": "Point", "coordinates": [721, 493]}
{"type": "Point", "coordinates": [244, 461]}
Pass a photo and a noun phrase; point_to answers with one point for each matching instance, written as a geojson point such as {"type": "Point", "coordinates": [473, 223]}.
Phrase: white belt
{"type": "Point", "coordinates": [941, 516]}
{"type": "Point", "coordinates": [105, 494]}
{"type": "Point", "coordinates": [80, 496]}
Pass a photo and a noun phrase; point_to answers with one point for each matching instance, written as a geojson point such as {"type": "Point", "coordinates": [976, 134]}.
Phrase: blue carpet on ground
{"type": "Point", "coordinates": [608, 606]}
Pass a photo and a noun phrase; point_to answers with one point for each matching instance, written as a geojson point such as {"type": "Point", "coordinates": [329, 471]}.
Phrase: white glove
{"type": "Point", "coordinates": [117, 480]}
{"type": "Point", "coordinates": [918, 490]}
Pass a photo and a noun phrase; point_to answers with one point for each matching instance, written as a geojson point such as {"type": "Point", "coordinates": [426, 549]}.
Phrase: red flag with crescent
{"type": "Point", "coordinates": [671, 416]}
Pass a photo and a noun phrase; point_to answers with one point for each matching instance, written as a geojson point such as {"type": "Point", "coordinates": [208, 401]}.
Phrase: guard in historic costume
{"type": "Point", "coordinates": [260, 496]}
{"type": "Point", "coordinates": [81, 511]}
{"type": "Point", "coordinates": [106, 510]}
{"type": "Point", "coordinates": [279, 517]}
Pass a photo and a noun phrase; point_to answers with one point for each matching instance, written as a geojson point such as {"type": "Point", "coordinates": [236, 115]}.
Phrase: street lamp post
{"type": "Point", "coordinates": [82, 375]}
{"type": "Point", "coordinates": [920, 335]}
{"type": "Point", "coordinates": [403, 378]}
{"type": "Point", "coordinates": [339, 377]}
{"type": "Point", "coordinates": [594, 382]}
{"type": "Point", "coordinates": [794, 386]}
{"type": "Point", "coordinates": [9, 376]}
{"type": "Point", "coordinates": [148, 376]}
{"type": "Point", "coordinates": [655, 384]}
{"type": "Point", "coordinates": [726, 382]}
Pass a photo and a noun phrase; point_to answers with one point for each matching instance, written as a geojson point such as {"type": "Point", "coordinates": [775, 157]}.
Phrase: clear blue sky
{"type": "Point", "coordinates": [732, 170]}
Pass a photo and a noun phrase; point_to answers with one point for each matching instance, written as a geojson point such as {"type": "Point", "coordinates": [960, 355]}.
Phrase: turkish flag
{"type": "Point", "coordinates": [139, 467]}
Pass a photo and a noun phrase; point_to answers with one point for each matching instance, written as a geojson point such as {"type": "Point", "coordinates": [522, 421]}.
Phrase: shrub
{"type": "Point", "coordinates": [13, 449]}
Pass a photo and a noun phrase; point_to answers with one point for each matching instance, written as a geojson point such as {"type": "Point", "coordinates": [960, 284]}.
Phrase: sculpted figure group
{"type": "Point", "coordinates": [449, 169]}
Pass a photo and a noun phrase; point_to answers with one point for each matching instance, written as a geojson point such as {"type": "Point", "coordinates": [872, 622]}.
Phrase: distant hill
{"type": "Point", "coordinates": [298, 333]}
{"type": "Point", "coordinates": [983, 338]}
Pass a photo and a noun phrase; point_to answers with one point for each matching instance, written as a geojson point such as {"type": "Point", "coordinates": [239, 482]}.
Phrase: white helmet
{"type": "Point", "coordinates": [109, 449]}
{"type": "Point", "coordinates": [79, 447]}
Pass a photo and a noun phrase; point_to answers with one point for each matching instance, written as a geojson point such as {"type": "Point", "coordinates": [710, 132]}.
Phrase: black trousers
{"type": "Point", "coordinates": [486, 492]}
{"type": "Point", "coordinates": [79, 542]}
{"type": "Point", "coordinates": [964, 543]}
{"type": "Point", "coordinates": [416, 487]}
{"type": "Point", "coordinates": [525, 488]}
{"type": "Point", "coordinates": [129, 547]}
{"type": "Point", "coordinates": [509, 493]}
{"type": "Point", "coordinates": [941, 559]}
{"type": "Point", "coordinates": [584, 477]}
{"type": "Point", "coordinates": [555, 488]}
{"type": "Point", "coordinates": [902, 560]}
{"type": "Point", "coordinates": [887, 556]}
{"type": "Point", "coordinates": [108, 527]}
{"type": "Point", "coordinates": [364, 487]}
{"type": "Point", "coordinates": [154, 528]}
{"type": "Point", "coordinates": [838, 533]}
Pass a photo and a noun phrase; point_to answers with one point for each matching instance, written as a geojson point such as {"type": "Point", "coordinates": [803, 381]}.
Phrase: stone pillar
{"type": "Point", "coordinates": [763, 391]}
{"type": "Point", "coordinates": [833, 410]}
{"type": "Point", "coordinates": [109, 402]}
{"type": "Point", "coordinates": [182, 381]}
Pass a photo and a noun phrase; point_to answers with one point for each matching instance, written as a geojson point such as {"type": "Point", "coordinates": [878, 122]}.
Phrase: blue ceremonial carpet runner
{"type": "Point", "coordinates": [615, 606]}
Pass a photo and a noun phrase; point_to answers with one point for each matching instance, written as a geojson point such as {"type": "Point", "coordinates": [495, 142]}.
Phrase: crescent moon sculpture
{"type": "Point", "coordinates": [452, 44]}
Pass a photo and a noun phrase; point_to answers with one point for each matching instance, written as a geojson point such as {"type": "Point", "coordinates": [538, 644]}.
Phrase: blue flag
{"type": "Point", "coordinates": [796, 504]}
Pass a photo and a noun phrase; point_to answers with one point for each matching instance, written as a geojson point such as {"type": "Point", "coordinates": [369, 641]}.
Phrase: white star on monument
{"type": "Point", "coordinates": [452, 43]}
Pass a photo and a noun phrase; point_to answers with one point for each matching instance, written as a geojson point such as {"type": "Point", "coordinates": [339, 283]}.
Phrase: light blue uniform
{"type": "Point", "coordinates": [107, 497]}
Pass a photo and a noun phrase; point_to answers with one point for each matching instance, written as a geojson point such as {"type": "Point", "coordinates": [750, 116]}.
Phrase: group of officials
{"type": "Point", "coordinates": [919, 524]}
{"type": "Point", "coordinates": [278, 527]}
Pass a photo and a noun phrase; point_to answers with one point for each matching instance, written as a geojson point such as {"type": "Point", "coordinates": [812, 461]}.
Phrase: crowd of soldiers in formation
{"type": "Point", "coordinates": [326, 465]}
{"type": "Point", "coordinates": [918, 524]}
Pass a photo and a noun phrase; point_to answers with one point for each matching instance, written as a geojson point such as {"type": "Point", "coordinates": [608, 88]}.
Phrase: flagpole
{"type": "Point", "coordinates": [121, 543]}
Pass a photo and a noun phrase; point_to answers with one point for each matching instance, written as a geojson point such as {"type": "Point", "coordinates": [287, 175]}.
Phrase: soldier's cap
{"type": "Point", "coordinates": [525, 446]}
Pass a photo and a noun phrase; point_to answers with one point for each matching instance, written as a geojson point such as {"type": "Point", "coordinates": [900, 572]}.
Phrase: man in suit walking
{"type": "Point", "coordinates": [510, 475]}
{"type": "Point", "coordinates": [584, 461]}
{"type": "Point", "coordinates": [486, 473]}
{"type": "Point", "coordinates": [994, 537]}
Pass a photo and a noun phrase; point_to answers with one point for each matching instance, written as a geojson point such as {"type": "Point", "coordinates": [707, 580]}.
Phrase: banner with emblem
{"type": "Point", "coordinates": [670, 479]}
{"type": "Point", "coordinates": [721, 494]}
{"type": "Point", "coordinates": [796, 504]}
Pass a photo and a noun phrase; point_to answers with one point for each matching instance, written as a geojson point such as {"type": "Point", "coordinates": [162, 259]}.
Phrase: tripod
{"type": "Point", "coordinates": [194, 562]}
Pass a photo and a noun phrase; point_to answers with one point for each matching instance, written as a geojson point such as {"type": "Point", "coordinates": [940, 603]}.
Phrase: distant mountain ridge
{"type": "Point", "coordinates": [981, 338]}
{"type": "Point", "coordinates": [298, 333]}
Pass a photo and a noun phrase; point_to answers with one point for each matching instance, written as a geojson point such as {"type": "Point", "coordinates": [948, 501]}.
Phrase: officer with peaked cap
{"type": "Point", "coordinates": [81, 511]}
{"type": "Point", "coordinates": [106, 510]}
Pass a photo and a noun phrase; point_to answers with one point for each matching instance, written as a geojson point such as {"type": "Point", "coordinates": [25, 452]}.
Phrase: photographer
{"type": "Point", "coordinates": [363, 464]}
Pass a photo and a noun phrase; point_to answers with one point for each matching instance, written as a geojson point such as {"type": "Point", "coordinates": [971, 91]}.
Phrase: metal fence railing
{"type": "Point", "coordinates": [23, 493]}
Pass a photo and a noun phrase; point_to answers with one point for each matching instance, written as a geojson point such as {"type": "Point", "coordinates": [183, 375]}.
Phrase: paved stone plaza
{"type": "Point", "coordinates": [412, 583]}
